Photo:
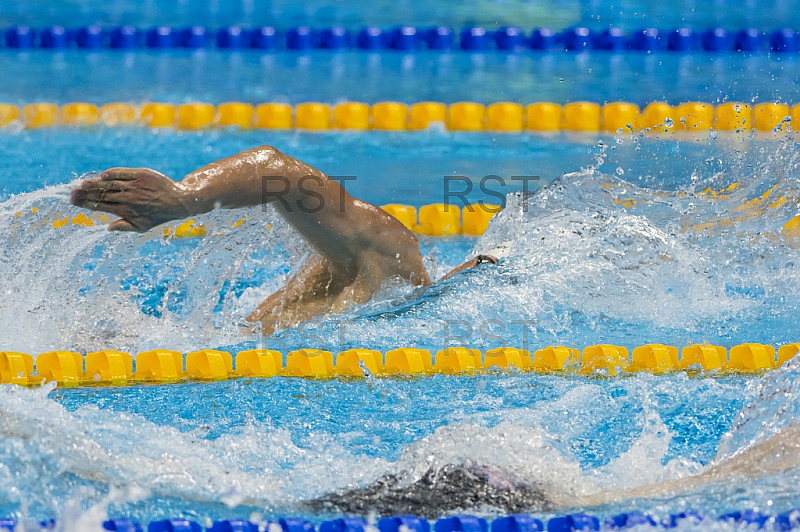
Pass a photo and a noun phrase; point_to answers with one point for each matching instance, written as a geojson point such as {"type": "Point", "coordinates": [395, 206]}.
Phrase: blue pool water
{"type": "Point", "coordinates": [618, 242]}
{"type": "Point", "coordinates": [183, 76]}
{"type": "Point", "coordinates": [556, 14]}
{"type": "Point", "coordinates": [584, 269]}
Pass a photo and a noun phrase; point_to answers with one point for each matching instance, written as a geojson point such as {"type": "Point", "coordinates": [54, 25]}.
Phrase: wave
{"type": "Point", "coordinates": [594, 258]}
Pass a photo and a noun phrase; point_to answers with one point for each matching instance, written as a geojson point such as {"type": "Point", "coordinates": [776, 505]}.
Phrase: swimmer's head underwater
{"type": "Point", "coordinates": [359, 246]}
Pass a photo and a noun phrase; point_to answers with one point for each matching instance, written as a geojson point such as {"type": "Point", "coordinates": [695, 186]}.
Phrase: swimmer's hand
{"type": "Point", "coordinates": [141, 197]}
{"type": "Point", "coordinates": [480, 259]}
{"type": "Point", "coordinates": [471, 263]}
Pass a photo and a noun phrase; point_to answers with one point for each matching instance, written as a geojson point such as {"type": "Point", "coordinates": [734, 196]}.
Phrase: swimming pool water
{"type": "Point", "coordinates": [184, 76]}
{"type": "Point", "coordinates": [627, 14]}
{"type": "Point", "coordinates": [584, 269]}
{"type": "Point", "coordinates": [268, 445]}
{"type": "Point", "coordinates": [633, 239]}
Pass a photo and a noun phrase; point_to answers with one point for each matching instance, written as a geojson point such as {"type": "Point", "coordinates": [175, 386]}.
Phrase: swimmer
{"type": "Point", "coordinates": [459, 487]}
{"type": "Point", "coordinates": [360, 246]}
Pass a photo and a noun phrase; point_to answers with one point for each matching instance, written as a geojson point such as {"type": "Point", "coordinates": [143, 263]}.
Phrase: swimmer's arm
{"type": "Point", "coordinates": [471, 263]}
{"type": "Point", "coordinates": [342, 228]}
{"type": "Point", "coordinates": [255, 177]}
{"type": "Point", "coordinates": [145, 198]}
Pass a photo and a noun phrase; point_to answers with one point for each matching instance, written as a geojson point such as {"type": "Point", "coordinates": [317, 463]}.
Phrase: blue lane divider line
{"type": "Point", "coordinates": [405, 38]}
{"type": "Point", "coordinates": [122, 525]}
{"type": "Point", "coordinates": [124, 38]}
{"type": "Point", "coordinates": [569, 523]}
{"type": "Point", "coordinates": [411, 522]}
{"type": "Point", "coordinates": [785, 521]}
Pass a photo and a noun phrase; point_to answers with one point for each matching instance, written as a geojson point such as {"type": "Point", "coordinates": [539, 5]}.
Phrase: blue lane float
{"type": "Point", "coordinates": [407, 39]}
{"type": "Point", "coordinates": [411, 522]}
{"type": "Point", "coordinates": [461, 523]}
{"type": "Point", "coordinates": [54, 37]}
{"type": "Point", "coordinates": [629, 520]}
{"type": "Point", "coordinates": [264, 38]}
{"type": "Point", "coordinates": [716, 40]}
{"type": "Point", "coordinates": [345, 524]}
{"type": "Point", "coordinates": [577, 39]}
{"type": "Point", "coordinates": [403, 38]}
{"type": "Point", "coordinates": [234, 526]}
{"type": "Point", "coordinates": [90, 38]}
{"type": "Point", "coordinates": [517, 523]}
{"type": "Point", "coordinates": [784, 41]}
{"type": "Point", "coordinates": [336, 38]}
{"type": "Point", "coordinates": [509, 39]}
{"type": "Point", "coordinates": [122, 525]}
{"type": "Point", "coordinates": [20, 37]}
{"type": "Point", "coordinates": [569, 523]}
{"type": "Point", "coordinates": [749, 40]}
{"type": "Point", "coordinates": [439, 38]}
{"type": "Point", "coordinates": [194, 37]}
{"type": "Point", "coordinates": [646, 40]}
{"type": "Point", "coordinates": [612, 40]}
{"type": "Point", "coordinates": [474, 39]}
{"type": "Point", "coordinates": [160, 37]}
{"type": "Point", "coordinates": [673, 520]}
{"type": "Point", "coordinates": [370, 39]}
{"type": "Point", "coordinates": [747, 518]}
{"type": "Point", "coordinates": [176, 525]}
{"type": "Point", "coordinates": [124, 38]}
{"type": "Point", "coordinates": [232, 38]}
{"type": "Point", "coordinates": [682, 40]}
{"type": "Point", "coordinates": [299, 39]}
{"type": "Point", "coordinates": [543, 39]}
{"type": "Point", "coordinates": [785, 521]}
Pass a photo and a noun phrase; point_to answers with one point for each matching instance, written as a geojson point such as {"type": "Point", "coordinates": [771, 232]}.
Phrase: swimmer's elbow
{"type": "Point", "coordinates": [265, 153]}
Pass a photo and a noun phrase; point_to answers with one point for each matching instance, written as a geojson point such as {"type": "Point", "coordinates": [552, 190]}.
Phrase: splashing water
{"type": "Point", "coordinates": [594, 258]}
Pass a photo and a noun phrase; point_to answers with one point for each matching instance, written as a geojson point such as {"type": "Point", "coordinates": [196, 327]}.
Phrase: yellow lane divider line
{"type": "Point", "coordinates": [587, 117]}
{"type": "Point", "coordinates": [166, 366]}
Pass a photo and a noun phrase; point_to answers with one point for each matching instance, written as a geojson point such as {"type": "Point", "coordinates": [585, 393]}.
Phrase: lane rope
{"type": "Point", "coordinates": [402, 38]}
{"type": "Point", "coordinates": [789, 520]}
{"type": "Point", "coordinates": [450, 220]}
{"type": "Point", "coordinates": [540, 117]}
{"type": "Point", "coordinates": [437, 219]}
{"type": "Point", "coordinates": [117, 368]}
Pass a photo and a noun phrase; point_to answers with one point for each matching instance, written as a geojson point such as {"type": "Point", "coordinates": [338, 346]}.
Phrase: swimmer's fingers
{"type": "Point", "coordinates": [122, 225]}
{"type": "Point", "coordinates": [79, 197]}
{"type": "Point", "coordinates": [121, 174]}
{"type": "Point", "coordinates": [96, 190]}
{"type": "Point", "coordinates": [487, 258]}
{"type": "Point", "coordinates": [89, 199]}
{"type": "Point", "coordinates": [94, 199]}
{"type": "Point", "coordinates": [94, 182]}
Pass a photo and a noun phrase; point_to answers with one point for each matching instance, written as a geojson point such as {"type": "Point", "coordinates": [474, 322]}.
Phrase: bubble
{"type": "Point", "coordinates": [620, 171]}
